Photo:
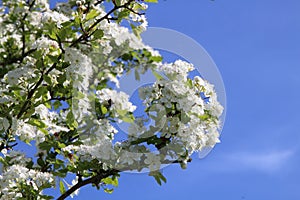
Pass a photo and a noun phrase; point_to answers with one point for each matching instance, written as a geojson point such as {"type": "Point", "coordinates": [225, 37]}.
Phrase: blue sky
{"type": "Point", "coordinates": [256, 46]}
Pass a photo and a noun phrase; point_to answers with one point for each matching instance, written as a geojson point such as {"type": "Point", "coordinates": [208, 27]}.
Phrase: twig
{"type": "Point", "coordinates": [85, 36]}
{"type": "Point", "coordinates": [93, 180]}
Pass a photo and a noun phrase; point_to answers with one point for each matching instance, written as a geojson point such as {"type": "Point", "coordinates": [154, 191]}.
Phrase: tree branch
{"type": "Point", "coordinates": [93, 180]}
{"type": "Point", "coordinates": [97, 179]}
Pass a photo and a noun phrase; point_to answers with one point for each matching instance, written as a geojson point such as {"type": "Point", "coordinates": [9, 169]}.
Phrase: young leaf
{"type": "Point", "coordinates": [92, 14]}
{"type": "Point", "coordinates": [109, 191]}
{"type": "Point", "coordinates": [62, 188]}
{"type": "Point", "coordinates": [157, 75]}
{"type": "Point", "coordinates": [98, 34]}
{"type": "Point", "coordinates": [158, 177]}
{"type": "Point", "coordinates": [151, 1]}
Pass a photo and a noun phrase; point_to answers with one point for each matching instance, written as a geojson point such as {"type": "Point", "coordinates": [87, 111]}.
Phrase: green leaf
{"type": "Point", "coordinates": [77, 20]}
{"type": "Point", "coordinates": [40, 92]}
{"type": "Point", "coordinates": [151, 1]}
{"type": "Point", "coordinates": [123, 14]}
{"type": "Point", "coordinates": [109, 191]}
{"type": "Point", "coordinates": [118, 2]}
{"type": "Point", "coordinates": [136, 30]}
{"type": "Point", "coordinates": [45, 146]}
{"type": "Point", "coordinates": [98, 34]}
{"type": "Point", "coordinates": [47, 197]}
{"type": "Point", "coordinates": [137, 75]}
{"type": "Point", "coordinates": [111, 181]}
{"type": "Point", "coordinates": [14, 88]}
{"type": "Point", "coordinates": [189, 83]}
{"type": "Point", "coordinates": [66, 24]}
{"type": "Point", "coordinates": [128, 118]}
{"type": "Point", "coordinates": [158, 177]}
{"type": "Point", "coordinates": [47, 79]}
{"type": "Point", "coordinates": [156, 58]}
{"type": "Point", "coordinates": [54, 59]}
{"type": "Point", "coordinates": [127, 56]}
{"type": "Point", "coordinates": [157, 75]}
{"type": "Point", "coordinates": [183, 165]}
{"type": "Point", "coordinates": [92, 14]}
{"type": "Point", "coordinates": [71, 122]}
{"type": "Point", "coordinates": [157, 180]}
{"type": "Point", "coordinates": [62, 188]}
{"type": "Point", "coordinates": [121, 112]}
{"type": "Point", "coordinates": [40, 162]}
{"type": "Point", "coordinates": [61, 145]}
{"type": "Point", "coordinates": [204, 117]}
{"type": "Point", "coordinates": [57, 104]}
{"type": "Point", "coordinates": [103, 109]}
{"type": "Point", "coordinates": [163, 178]}
{"type": "Point", "coordinates": [37, 123]}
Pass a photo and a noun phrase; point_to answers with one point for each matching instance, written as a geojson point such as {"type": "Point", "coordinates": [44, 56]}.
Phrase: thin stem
{"type": "Point", "coordinates": [86, 33]}
{"type": "Point", "coordinates": [31, 92]}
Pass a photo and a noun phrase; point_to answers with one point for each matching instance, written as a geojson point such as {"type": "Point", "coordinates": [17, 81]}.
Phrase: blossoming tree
{"type": "Point", "coordinates": [59, 71]}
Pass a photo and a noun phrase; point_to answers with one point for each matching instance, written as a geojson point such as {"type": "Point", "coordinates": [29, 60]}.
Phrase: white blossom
{"type": "Point", "coordinates": [49, 118]}
{"type": "Point", "coordinates": [4, 124]}
{"type": "Point", "coordinates": [53, 16]}
{"type": "Point", "coordinates": [153, 161]}
{"type": "Point", "coordinates": [25, 131]}
{"type": "Point", "coordinates": [120, 100]}
{"type": "Point", "coordinates": [44, 44]}
{"type": "Point", "coordinates": [16, 174]}
{"type": "Point", "coordinates": [18, 75]}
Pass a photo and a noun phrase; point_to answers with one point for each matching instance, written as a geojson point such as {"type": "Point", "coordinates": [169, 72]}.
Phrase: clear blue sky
{"type": "Point", "coordinates": [256, 45]}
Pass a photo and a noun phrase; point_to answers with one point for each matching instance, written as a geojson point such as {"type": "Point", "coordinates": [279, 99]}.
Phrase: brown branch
{"type": "Point", "coordinates": [130, 9]}
{"type": "Point", "coordinates": [97, 179]}
{"type": "Point", "coordinates": [99, 2]}
{"type": "Point", "coordinates": [23, 40]}
{"type": "Point", "coordinates": [82, 29]}
{"type": "Point", "coordinates": [23, 29]}
{"type": "Point", "coordinates": [60, 44]}
{"type": "Point", "coordinates": [93, 180]}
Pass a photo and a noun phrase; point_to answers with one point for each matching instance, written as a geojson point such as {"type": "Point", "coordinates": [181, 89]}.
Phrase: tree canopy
{"type": "Point", "coordinates": [60, 68]}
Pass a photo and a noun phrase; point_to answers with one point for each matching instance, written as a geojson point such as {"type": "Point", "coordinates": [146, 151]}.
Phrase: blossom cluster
{"type": "Point", "coordinates": [19, 182]}
{"type": "Point", "coordinates": [185, 111]}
